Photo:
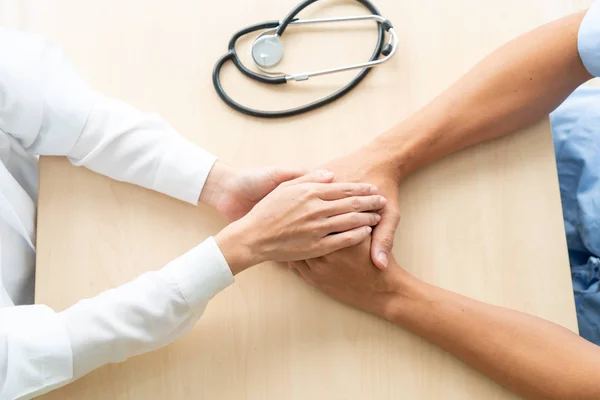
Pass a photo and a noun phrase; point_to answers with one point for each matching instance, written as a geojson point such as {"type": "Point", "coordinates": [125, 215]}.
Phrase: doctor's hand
{"type": "Point", "coordinates": [303, 218]}
{"type": "Point", "coordinates": [366, 165]}
{"type": "Point", "coordinates": [233, 192]}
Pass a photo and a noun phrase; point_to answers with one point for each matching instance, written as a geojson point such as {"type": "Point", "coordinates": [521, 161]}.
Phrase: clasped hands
{"type": "Point", "coordinates": [335, 226]}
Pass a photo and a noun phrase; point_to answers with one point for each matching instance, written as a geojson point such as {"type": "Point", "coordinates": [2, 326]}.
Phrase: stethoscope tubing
{"type": "Point", "coordinates": [232, 56]}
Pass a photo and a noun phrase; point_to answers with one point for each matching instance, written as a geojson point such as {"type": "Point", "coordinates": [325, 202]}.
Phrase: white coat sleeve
{"type": "Point", "coordinates": [41, 350]}
{"type": "Point", "coordinates": [50, 110]}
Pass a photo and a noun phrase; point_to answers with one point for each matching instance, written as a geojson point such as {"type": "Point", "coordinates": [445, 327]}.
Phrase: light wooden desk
{"type": "Point", "coordinates": [486, 222]}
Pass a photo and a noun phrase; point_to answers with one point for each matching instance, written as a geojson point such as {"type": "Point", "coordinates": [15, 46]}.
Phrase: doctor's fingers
{"type": "Point", "coordinates": [338, 241]}
{"type": "Point", "coordinates": [319, 176]}
{"type": "Point", "coordinates": [348, 221]}
{"type": "Point", "coordinates": [336, 191]}
{"type": "Point", "coordinates": [280, 175]}
{"type": "Point", "coordinates": [354, 204]}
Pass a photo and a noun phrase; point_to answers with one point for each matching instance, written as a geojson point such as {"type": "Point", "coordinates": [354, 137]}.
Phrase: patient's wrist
{"type": "Point", "coordinates": [409, 292]}
{"type": "Point", "coordinates": [411, 144]}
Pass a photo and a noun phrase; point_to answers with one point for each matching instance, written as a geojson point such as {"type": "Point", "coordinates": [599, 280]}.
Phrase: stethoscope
{"type": "Point", "coordinates": [267, 52]}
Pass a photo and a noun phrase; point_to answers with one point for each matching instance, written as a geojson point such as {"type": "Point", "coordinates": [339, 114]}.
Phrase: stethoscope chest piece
{"type": "Point", "coordinates": [267, 51]}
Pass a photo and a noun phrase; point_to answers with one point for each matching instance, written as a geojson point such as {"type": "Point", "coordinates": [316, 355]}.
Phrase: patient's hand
{"type": "Point", "coordinates": [234, 192]}
{"type": "Point", "coordinates": [349, 276]}
{"type": "Point", "coordinates": [369, 166]}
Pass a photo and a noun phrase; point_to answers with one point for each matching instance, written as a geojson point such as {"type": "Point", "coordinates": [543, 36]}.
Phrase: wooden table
{"type": "Point", "coordinates": [486, 222]}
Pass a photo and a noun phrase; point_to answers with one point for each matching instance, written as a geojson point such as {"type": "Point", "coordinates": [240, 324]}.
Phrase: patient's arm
{"type": "Point", "coordinates": [533, 357]}
{"type": "Point", "coordinates": [515, 86]}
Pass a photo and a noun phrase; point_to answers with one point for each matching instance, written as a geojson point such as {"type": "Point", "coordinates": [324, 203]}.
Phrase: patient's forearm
{"type": "Point", "coordinates": [515, 86]}
{"type": "Point", "coordinates": [533, 357]}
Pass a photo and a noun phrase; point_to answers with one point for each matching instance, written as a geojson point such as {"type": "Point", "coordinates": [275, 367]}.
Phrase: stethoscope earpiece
{"type": "Point", "coordinates": [267, 52]}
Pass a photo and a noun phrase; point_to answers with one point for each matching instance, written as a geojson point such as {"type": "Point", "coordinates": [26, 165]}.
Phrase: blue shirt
{"type": "Point", "coordinates": [589, 39]}
{"type": "Point", "coordinates": [576, 132]}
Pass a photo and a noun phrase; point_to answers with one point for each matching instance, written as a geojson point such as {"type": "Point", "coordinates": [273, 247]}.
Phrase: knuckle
{"type": "Point", "coordinates": [348, 191]}
{"type": "Point", "coordinates": [348, 240]}
{"type": "Point", "coordinates": [394, 216]}
{"type": "Point", "coordinates": [309, 192]}
{"type": "Point", "coordinates": [354, 219]}
{"type": "Point", "coordinates": [323, 227]}
{"type": "Point", "coordinates": [307, 228]}
{"type": "Point", "coordinates": [300, 187]}
{"type": "Point", "coordinates": [321, 210]}
{"type": "Point", "coordinates": [373, 219]}
{"type": "Point", "coordinates": [312, 191]}
{"type": "Point", "coordinates": [355, 204]}
{"type": "Point", "coordinates": [386, 241]}
{"type": "Point", "coordinates": [376, 202]}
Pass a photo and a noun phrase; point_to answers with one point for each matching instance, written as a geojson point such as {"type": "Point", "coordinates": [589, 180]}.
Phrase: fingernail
{"type": "Point", "coordinates": [382, 257]}
{"type": "Point", "coordinates": [369, 229]}
{"type": "Point", "coordinates": [377, 217]}
{"type": "Point", "coordinates": [373, 190]}
{"type": "Point", "coordinates": [325, 174]}
{"type": "Point", "coordinates": [382, 201]}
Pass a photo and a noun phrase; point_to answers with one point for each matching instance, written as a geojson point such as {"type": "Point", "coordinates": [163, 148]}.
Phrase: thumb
{"type": "Point", "coordinates": [280, 175]}
{"type": "Point", "coordinates": [383, 237]}
{"type": "Point", "coordinates": [319, 176]}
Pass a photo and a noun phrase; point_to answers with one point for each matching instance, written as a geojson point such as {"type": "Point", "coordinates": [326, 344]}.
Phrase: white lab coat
{"type": "Point", "coordinates": [47, 109]}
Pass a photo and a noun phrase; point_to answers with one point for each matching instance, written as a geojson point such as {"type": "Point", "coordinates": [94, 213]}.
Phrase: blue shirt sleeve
{"type": "Point", "coordinates": [589, 40]}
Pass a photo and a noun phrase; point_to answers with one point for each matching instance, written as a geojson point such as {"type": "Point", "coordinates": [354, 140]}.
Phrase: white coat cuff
{"type": "Point", "coordinates": [200, 274]}
{"type": "Point", "coordinates": [38, 345]}
{"type": "Point", "coordinates": [183, 170]}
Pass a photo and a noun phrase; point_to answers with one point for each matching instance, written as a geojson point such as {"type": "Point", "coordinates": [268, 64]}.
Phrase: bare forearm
{"type": "Point", "coordinates": [514, 87]}
{"type": "Point", "coordinates": [533, 357]}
